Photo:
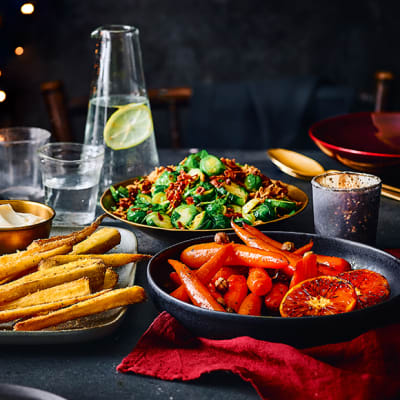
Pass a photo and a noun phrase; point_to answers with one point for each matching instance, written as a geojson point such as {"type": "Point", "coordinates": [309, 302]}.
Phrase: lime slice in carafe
{"type": "Point", "coordinates": [129, 126]}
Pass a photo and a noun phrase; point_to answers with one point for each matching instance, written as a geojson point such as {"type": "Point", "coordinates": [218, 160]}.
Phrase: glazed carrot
{"type": "Point", "coordinates": [175, 278]}
{"type": "Point", "coordinates": [258, 243]}
{"type": "Point", "coordinates": [258, 281]}
{"type": "Point", "coordinates": [206, 271]}
{"type": "Point", "coordinates": [224, 273]}
{"type": "Point", "coordinates": [196, 255]}
{"type": "Point", "coordinates": [251, 305]}
{"type": "Point", "coordinates": [215, 263]}
{"type": "Point", "coordinates": [337, 263]}
{"type": "Point", "coordinates": [303, 249]}
{"type": "Point", "coordinates": [273, 299]}
{"type": "Point", "coordinates": [252, 257]}
{"type": "Point", "coordinates": [180, 294]}
{"type": "Point", "coordinates": [305, 269]}
{"type": "Point", "coordinates": [255, 232]}
{"type": "Point", "coordinates": [237, 291]}
{"type": "Point", "coordinates": [198, 293]}
{"type": "Point", "coordinates": [220, 280]}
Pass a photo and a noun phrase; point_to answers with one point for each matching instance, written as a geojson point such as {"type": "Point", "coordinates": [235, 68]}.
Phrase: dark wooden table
{"type": "Point", "coordinates": [87, 370]}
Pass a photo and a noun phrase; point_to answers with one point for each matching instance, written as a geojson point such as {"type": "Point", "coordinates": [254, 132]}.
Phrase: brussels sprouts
{"type": "Point", "coordinates": [123, 192]}
{"type": "Point", "coordinates": [252, 182]}
{"type": "Point", "coordinates": [247, 221]}
{"type": "Point", "coordinates": [183, 215]}
{"type": "Point", "coordinates": [158, 219]}
{"type": "Point", "coordinates": [137, 216]}
{"type": "Point", "coordinates": [236, 194]}
{"type": "Point", "coordinates": [201, 221]}
{"type": "Point", "coordinates": [159, 198]}
{"type": "Point", "coordinates": [220, 221]}
{"type": "Point", "coordinates": [250, 205]}
{"type": "Point", "coordinates": [211, 165]}
{"type": "Point", "coordinates": [207, 194]}
{"type": "Point", "coordinates": [165, 178]}
{"type": "Point", "coordinates": [114, 193]}
{"type": "Point", "coordinates": [216, 207]}
{"type": "Point", "coordinates": [142, 200]}
{"type": "Point", "coordinates": [191, 162]}
{"type": "Point", "coordinates": [264, 212]}
{"type": "Point", "coordinates": [197, 172]}
{"type": "Point", "coordinates": [119, 193]}
{"type": "Point", "coordinates": [286, 205]}
{"type": "Point", "coordinates": [157, 189]}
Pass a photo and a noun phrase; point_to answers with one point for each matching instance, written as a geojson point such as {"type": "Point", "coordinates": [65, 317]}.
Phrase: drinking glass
{"type": "Point", "coordinates": [119, 115]}
{"type": "Point", "coordinates": [346, 205]}
{"type": "Point", "coordinates": [19, 164]}
{"type": "Point", "coordinates": [71, 173]}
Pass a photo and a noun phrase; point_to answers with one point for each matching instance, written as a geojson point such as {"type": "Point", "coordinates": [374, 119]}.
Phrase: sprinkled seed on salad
{"type": "Point", "coordinates": [203, 192]}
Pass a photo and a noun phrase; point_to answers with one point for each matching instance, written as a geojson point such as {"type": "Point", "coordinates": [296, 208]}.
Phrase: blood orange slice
{"type": "Point", "coordinates": [323, 295]}
{"type": "Point", "coordinates": [371, 287]}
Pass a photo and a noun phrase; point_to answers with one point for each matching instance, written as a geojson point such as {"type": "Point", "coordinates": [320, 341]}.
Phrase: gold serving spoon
{"type": "Point", "coordinates": [303, 167]}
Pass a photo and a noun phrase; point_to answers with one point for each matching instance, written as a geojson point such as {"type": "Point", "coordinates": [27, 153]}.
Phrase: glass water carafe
{"type": "Point", "coordinates": [119, 115]}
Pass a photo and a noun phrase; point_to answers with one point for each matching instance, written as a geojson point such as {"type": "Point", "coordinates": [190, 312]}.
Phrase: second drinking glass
{"type": "Point", "coordinates": [119, 114]}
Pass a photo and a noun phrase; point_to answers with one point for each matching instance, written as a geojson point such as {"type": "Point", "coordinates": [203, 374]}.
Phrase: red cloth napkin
{"type": "Point", "coordinates": [367, 367]}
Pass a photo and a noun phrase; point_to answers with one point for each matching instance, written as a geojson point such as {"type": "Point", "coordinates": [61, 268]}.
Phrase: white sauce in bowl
{"type": "Point", "coordinates": [11, 219]}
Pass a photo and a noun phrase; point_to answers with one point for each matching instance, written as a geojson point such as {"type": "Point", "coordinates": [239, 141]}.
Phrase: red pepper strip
{"type": "Point", "coordinates": [256, 233]}
{"type": "Point", "coordinates": [258, 281]}
{"type": "Point", "coordinates": [197, 292]}
{"type": "Point", "coordinates": [273, 299]}
{"type": "Point", "coordinates": [303, 249]}
{"type": "Point", "coordinates": [257, 243]}
{"type": "Point", "coordinates": [196, 255]}
{"type": "Point", "coordinates": [251, 305]}
{"type": "Point", "coordinates": [237, 291]}
{"type": "Point", "coordinates": [305, 269]}
{"type": "Point", "coordinates": [207, 270]}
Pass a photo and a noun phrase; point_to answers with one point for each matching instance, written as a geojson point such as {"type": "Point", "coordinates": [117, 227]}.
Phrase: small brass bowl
{"type": "Point", "coordinates": [13, 239]}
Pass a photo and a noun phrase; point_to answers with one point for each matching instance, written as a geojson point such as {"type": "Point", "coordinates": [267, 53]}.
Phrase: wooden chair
{"type": "Point", "coordinates": [173, 99]}
{"type": "Point", "coordinates": [60, 109]}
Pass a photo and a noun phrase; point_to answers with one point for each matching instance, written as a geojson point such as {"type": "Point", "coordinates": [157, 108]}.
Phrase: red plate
{"type": "Point", "coordinates": [363, 141]}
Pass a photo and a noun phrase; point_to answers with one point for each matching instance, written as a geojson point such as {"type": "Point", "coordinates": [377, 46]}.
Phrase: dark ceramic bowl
{"type": "Point", "coordinates": [299, 332]}
{"type": "Point", "coordinates": [364, 141]}
{"type": "Point", "coordinates": [107, 202]}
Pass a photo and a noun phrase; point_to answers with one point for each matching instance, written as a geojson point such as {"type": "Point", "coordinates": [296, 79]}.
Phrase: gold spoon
{"type": "Point", "coordinates": [303, 167]}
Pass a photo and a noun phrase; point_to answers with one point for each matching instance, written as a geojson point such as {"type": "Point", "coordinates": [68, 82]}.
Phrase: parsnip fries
{"type": "Point", "coordinates": [64, 278]}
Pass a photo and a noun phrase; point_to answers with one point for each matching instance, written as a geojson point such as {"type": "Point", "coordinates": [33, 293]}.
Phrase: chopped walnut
{"type": "Point", "coordinates": [288, 246]}
{"type": "Point", "coordinates": [221, 238]}
{"type": "Point", "coordinates": [221, 284]}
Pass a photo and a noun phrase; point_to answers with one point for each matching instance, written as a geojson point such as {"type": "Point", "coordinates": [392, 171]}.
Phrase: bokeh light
{"type": "Point", "coordinates": [27, 8]}
{"type": "Point", "coordinates": [19, 51]}
{"type": "Point", "coordinates": [2, 95]}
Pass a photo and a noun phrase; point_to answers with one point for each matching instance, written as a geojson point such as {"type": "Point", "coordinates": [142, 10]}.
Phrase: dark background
{"type": "Point", "coordinates": [187, 42]}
